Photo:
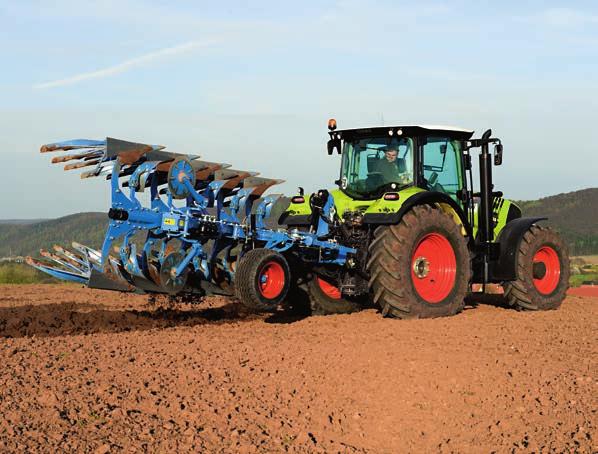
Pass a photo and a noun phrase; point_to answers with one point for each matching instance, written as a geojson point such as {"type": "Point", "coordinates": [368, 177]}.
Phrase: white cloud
{"type": "Point", "coordinates": [126, 65]}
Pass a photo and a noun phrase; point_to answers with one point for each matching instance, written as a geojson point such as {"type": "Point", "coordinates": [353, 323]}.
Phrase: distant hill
{"type": "Point", "coordinates": [21, 221]}
{"type": "Point", "coordinates": [28, 238]}
{"type": "Point", "coordinates": [574, 214]}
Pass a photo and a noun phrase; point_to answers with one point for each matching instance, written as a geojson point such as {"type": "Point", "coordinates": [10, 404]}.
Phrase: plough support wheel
{"type": "Point", "coordinates": [262, 279]}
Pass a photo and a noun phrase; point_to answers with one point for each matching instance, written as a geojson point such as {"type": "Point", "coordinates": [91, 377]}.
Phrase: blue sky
{"type": "Point", "coordinates": [253, 83]}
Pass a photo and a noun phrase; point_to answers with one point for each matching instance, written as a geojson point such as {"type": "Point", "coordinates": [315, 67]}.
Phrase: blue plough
{"type": "Point", "coordinates": [202, 228]}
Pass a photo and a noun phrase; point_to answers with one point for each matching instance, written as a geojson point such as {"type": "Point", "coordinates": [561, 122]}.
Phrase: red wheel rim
{"type": "Point", "coordinates": [550, 281]}
{"type": "Point", "coordinates": [271, 280]}
{"type": "Point", "coordinates": [434, 268]}
{"type": "Point", "coordinates": [329, 290]}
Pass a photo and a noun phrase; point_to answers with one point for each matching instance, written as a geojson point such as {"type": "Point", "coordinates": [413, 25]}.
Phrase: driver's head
{"type": "Point", "coordinates": [391, 155]}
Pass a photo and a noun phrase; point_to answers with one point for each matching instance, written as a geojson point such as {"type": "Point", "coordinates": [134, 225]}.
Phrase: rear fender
{"type": "Point", "coordinates": [505, 268]}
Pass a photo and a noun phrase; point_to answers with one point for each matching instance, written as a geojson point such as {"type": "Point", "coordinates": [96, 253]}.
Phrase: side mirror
{"type": "Point", "coordinates": [498, 154]}
{"type": "Point", "coordinates": [332, 144]}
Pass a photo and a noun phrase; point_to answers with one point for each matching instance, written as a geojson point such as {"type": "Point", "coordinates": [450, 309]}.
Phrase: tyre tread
{"type": "Point", "coordinates": [521, 293]}
{"type": "Point", "coordinates": [388, 252]}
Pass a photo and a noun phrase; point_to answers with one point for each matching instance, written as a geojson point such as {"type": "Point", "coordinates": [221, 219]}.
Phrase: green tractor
{"type": "Point", "coordinates": [405, 201]}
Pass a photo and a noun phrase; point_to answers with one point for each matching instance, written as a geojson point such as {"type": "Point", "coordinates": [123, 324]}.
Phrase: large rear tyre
{"type": "Point", "coordinates": [542, 271]}
{"type": "Point", "coordinates": [262, 279]}
{"type": "Point", "coordinates": [420, 268]}
{"type": "Point", "coordinates": [326, 299]}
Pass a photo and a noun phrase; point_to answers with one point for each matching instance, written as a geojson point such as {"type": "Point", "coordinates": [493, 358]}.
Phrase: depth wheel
{"type": "Point", "coordinates": [420, 268]}
{"type": "Point", "coordinates": [326, 299]}
{"type": "Point", "coordinates": [542, 271]}
{"type": "Point", "coordinates": [262, 279]}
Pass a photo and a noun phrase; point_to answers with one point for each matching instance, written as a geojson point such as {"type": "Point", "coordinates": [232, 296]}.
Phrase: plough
{"type": "Point", "coordinates": [202, 222]}
{"type": "Point", "coordinates": [404, 230]}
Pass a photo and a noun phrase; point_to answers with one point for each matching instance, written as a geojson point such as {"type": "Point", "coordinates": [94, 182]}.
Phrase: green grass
{"type": "Point", "coordinates": [578, 279]}
{"type": "Point", "coordinates": [19, 273]}
{"type": "Point", "coordinates": [588, 272]}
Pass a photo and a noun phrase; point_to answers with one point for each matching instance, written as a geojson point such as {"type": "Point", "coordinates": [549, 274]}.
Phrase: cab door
{"type": "Point", "coordinates": [441, 166]}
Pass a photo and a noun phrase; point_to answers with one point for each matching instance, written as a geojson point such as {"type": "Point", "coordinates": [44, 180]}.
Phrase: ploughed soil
{"type": "Point", "coordinates": [584, 290]}
{"type": "Point", "coordinates": [93, 371]}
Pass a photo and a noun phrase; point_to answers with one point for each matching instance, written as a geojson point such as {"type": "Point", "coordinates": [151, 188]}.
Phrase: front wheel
{"type": "Point", "coordinates": [420, 268]}
{"type": "Point", "coordinates": [542, 271]}
{"type": "Point", "coordinates": [326, 299]}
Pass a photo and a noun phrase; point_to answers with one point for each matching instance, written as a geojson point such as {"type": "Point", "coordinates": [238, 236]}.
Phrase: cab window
{"type": "Point", "coordinates": [371, 164]}
{"type": "Point", "coordinates": [442, 166]}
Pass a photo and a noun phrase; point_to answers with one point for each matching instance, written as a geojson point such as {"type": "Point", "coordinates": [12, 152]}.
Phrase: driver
{"type": "Point", "coordinates": [388, 166]}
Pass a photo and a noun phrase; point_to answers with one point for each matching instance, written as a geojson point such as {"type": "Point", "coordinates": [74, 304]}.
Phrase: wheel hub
{"type": "Point", "coordinates": [539, 270]}
{"type": "Point", "coordinates": [421, 267]}
{"type": "Point", "coordinates": [271, 280]}
{"type": "Point", "coordinates": [434, 268]}
{"type": "Point", "coordinates": [546, 270]}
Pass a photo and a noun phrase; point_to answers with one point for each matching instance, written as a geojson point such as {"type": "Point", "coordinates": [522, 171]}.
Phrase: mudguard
{"type": "Point", "coordinates": [505, 268]}
{"type": "Point", "coordinates": [421, 198]}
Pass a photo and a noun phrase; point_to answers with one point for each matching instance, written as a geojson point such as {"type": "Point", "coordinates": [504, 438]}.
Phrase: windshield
{"type": "Point", "coordinates": [371, 164]}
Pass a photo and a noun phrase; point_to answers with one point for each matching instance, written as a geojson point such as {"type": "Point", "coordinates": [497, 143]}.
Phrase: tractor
{"type": "Point", "coordinates": [404, 229]}
{"type": "Point", "coordinates": [406, 203]}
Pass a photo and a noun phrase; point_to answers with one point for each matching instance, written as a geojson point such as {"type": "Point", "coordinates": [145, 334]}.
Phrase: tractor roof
{"type": "Point", "coordinates": [414, 130]}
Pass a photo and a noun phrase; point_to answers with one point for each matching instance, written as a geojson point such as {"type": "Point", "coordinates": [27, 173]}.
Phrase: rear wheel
{"type": "Point", "coordinates": [262, 279]}
{"type": "Point", "coordinates": [420, 268]}
{"type": "Point", "coordinates": [542, 271]}
{"type": "Point", "coordinates": [326, 299]}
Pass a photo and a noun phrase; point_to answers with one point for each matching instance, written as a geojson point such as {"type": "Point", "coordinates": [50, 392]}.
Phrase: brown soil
{"type": "Point", "coordinates": [584, 290]}
{"type": "Point", "coordinates": [101, 372]}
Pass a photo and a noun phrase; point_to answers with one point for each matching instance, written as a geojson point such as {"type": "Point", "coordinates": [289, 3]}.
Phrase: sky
{"type": "Point", "coordinates": [252, 84]}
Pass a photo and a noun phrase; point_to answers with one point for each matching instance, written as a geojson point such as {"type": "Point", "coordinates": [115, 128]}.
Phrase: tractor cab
{"type": "Point", "coordinates": [385, 159]}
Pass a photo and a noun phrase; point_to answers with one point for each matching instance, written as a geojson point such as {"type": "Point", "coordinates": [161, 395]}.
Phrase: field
{"type": "Point", "coordinates": [19, 273]}
{"type": "Point", "coordinates": [101, 372]}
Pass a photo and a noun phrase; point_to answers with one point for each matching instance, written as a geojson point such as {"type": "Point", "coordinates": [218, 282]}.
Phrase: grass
{"type": "Point", "coordinates": [19, 273]}
{"type": "Point", "coordinates": [589, 272]}
{"type": "Point", "coordinates": [578, 279]}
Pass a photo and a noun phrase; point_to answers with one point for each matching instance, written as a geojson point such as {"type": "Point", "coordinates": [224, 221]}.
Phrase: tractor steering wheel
{"type": "Point", "coordinates": [432, 183]}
